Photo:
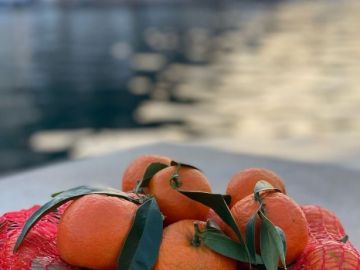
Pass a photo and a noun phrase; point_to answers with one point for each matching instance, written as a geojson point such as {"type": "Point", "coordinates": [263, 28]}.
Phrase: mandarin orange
{"type": "Point", "coordinates": [283, 212]}
{"type": "Point", "coordinates": [243, 182]}
{"type": "Point", "coordinates": [330, 255]}
{"type": "Point", "coordinates": [174, 205]}
{"type": "Point", "coordinates": [136, 169]}
{"type": "Point", "coordinates": [179, 251]}
{"type": "Point", "coordinates": [93, 229]}
{"type": "Point", "coordinates": [323, 224]}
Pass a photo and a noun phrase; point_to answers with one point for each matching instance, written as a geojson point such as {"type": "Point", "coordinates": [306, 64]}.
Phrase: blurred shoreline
{"type": "Point", "coordinates": [129, 3]}
{"type": "Point", "coordinates": [70, 68]}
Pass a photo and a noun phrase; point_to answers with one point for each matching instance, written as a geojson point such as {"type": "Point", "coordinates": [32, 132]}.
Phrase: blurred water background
{"type": "Point", "coordinates": [80, 78]}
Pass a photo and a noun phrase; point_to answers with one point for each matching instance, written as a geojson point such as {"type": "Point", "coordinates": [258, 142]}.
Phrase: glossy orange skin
{"type": "Point", "coordinates": [283, 212]}
{"type": "Point", "coordinates": [176, 206]}
{"type": "Point", "coordinates": [178, 253]}
{"type": "Point", "coordinates": [136, 169]}
{"type": "Point", "coordinates": [243, 182]}
{"type": "Point", "coordinates": [93, 229]}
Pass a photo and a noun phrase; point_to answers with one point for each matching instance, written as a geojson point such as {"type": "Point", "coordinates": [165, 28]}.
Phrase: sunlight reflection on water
{"type": "Point", "coordinates": [276, 79]}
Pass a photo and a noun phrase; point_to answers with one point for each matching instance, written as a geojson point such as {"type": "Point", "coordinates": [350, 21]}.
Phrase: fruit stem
{"type": "Point", "coordinates": [174, 180]}
{"type": "Point", "coordinates": [262, 207]}
{"type": "Point", "coordinates": [138, 188]}
{"type": "Point", "coordinates": [196, 241]}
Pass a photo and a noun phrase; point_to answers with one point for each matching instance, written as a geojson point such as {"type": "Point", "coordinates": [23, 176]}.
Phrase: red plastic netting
{"type": "Point", "coordinates": [329, 255]}
{"type": "Point", "coordinates": [323, 224]}
{"type": "Point", "coordinates": [325, 251]}
{"type": "Point", "coordinates": [38, 250]}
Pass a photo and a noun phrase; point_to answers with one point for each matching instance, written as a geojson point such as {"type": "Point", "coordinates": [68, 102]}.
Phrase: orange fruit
{"type": "Point", "coordinates": [93, 229]}
{"type": "Point", "coordinates": [243, 182]}
{"type": "Point", "coordinates": [245, 266]}
{"type": "Point", "coordinates": [136, 169]}
{"type": "Point", "coordinates": [323, 224]}
{"type": "Point", "coordinates": [174, 205]}
{"type": "Point", "coordinates": [177, 250]}
{"type": "Point", "coordinates": [330, 255]}
{"type": "Point", "coordinates": [283, 212]}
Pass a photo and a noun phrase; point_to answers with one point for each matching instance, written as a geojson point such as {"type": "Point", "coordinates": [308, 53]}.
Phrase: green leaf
{"type": "Point", "coordinates": [62, 198]}
{"type": "Point", "coordinates": [250, 235]}
{"type": "Point", "coordinates": [283, 246]}
{"type": "Point", "coordinates": [262, 185]}
{"type": "Point", "coordinates": [227, 198]}
{"type": "Point", "coordinates": [222, 244]}
{"type": "Point", "coordinates": [142, 244]}
{"type": "Point", "coordinates": [272, 244]}
{"type": "Point", "coordinates": [343, 239]}
{"type": "Point", "coordinates": [56, 193]}
{"type": "Point", "coordinates": [150, 171]}
{"type": "Point", "coordinates": [218, 204]}
{"type": "Point", "coordinates": [175, 163]}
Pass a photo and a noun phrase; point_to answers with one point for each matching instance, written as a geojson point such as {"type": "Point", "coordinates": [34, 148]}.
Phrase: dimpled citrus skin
{"type": "Point", "coordinates": [174, 205]}
{"type": "Point", "coordinates": [136, 169]}
{"type": "Point", "coordinates": [178, 253]}
{"type": "Point", "coordinates": [93, 229]}
{"type": "Point", "coordinates": [283, 212]}
{"type": "Point", "coordinates": [243, 182]}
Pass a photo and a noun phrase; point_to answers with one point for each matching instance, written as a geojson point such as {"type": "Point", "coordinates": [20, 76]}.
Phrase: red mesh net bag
{"type": "Point", "coordinates": [38, 250]}
{"type": "Point", "coordinates": [325, 251]}
{"type": "Point", "coordinates": [329, 255]}
{"type": "Point", "coordinates": [323, 224]}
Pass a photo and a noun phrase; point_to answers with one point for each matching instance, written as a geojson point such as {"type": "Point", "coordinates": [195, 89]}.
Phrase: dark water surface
{"type": "Point", "coordinates": [70, 67]}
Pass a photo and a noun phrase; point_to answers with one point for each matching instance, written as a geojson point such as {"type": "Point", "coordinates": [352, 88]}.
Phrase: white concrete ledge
{"type": "Point", "coordinates": [328, 185]}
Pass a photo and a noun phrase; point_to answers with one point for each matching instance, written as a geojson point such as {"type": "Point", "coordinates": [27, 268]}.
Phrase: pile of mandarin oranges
{"type": "Point", "coordinates": [93, 229]}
